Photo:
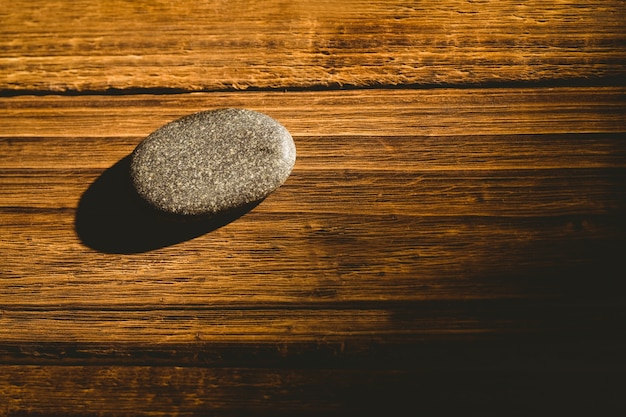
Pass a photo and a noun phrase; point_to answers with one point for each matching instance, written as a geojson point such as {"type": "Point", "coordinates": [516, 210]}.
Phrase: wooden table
{"type": "Point", "coordinates": [452, 237]}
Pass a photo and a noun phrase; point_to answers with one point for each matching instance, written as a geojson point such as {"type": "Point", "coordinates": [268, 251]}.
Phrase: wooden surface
{"type": "Point", "coordinates": [451, 238]}
{"type": "Point", "coordinates": [186, 45]}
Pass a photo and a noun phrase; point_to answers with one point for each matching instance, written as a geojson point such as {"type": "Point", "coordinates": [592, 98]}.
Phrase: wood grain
{"type": "Point", "coordinates": [103, 45]}
{"type": "Point", "coordinates": [389, 235]}
{"type": "Point", "coordinates": [451, 239]}
{"type": "Point", "coordinates": [199, 391]}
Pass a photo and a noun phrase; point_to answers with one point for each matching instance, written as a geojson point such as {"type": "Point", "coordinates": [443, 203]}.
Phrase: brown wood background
{"type": "Point", "coordinates": [452, 238]}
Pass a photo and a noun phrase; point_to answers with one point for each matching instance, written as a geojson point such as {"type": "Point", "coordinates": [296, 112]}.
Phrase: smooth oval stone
{"type": "Point", "coordinates": [212, 161]}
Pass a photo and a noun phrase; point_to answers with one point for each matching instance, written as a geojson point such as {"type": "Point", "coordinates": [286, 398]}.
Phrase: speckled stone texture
{"type": "Point", "coordinates": [212, 161]}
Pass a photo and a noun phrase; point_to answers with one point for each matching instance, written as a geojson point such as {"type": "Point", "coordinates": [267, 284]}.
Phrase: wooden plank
{"type": "Point", "coordinates": [286, 392]}
{"type": "Point", "coordinates": [102, 45]}
{"type": "Point", "coordinates": [394, 235]}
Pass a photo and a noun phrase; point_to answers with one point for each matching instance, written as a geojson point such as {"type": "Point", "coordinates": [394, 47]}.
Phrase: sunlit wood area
{"type": "Point", "coordinates": [451, 239]}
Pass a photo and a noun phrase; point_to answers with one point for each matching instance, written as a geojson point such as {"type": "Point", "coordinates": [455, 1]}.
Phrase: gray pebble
{"type": "Point", "coordinates": [212, 161]}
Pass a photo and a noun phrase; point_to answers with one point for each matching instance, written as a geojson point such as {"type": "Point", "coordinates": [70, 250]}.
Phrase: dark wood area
{"type": "Point", "coordinates": [451, 240]}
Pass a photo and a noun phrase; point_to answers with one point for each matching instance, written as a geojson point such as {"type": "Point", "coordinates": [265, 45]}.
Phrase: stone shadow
{"type": "Point", "coordinates": [112, 218]}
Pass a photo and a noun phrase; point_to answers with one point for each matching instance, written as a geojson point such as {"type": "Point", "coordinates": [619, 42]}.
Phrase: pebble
{"type": "Point", "coordinates": [213, 161]}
